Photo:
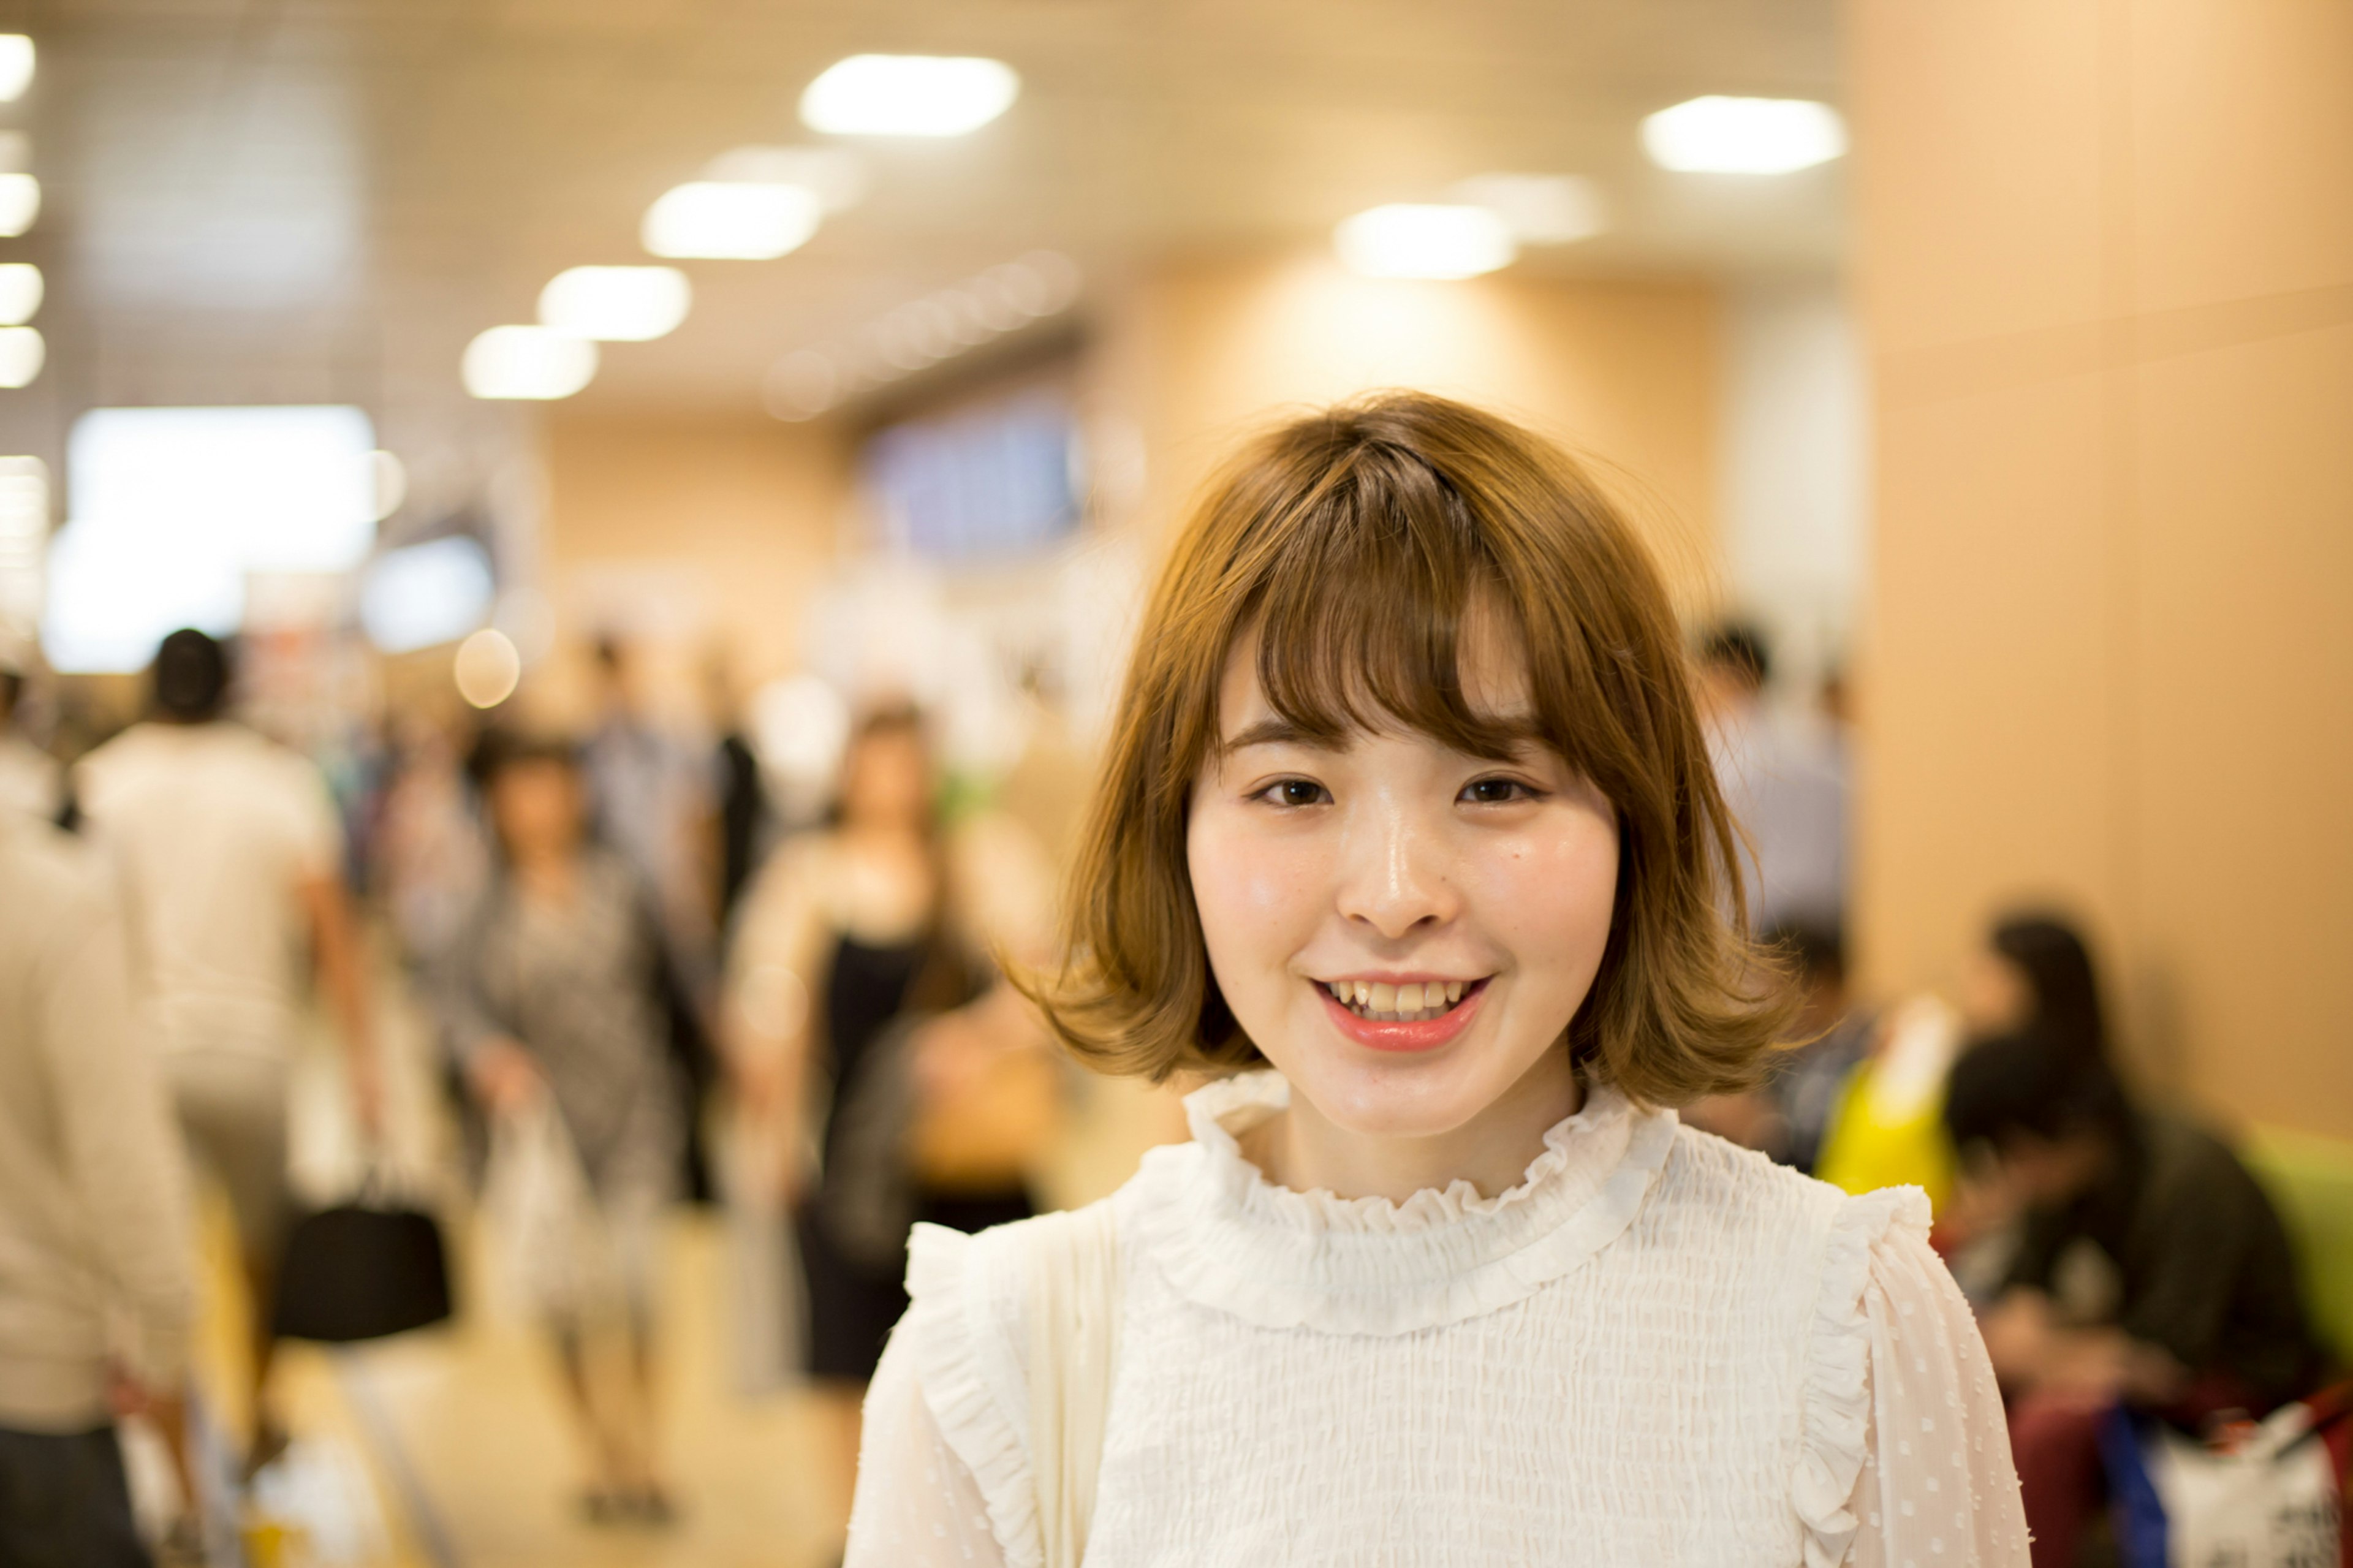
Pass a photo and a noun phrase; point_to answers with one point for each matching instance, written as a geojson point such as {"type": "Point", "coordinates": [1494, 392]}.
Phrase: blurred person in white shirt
{"type": "Point", "coordinates": [96, 1290]}
{"type": "Point", "coordinates": [229, 855]}
{"type": "Point", "coordinates": [1785, 777]}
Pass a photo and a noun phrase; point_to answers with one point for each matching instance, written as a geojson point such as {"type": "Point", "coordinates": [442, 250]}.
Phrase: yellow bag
{"type": "Point", "coordinates": [1888, 1127]}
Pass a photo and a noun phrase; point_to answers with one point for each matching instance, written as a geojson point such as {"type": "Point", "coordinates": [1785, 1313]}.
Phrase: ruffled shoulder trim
{"type": "Point", "coordinates": [971, 1378]}
{"type": "Point", "coordinates": [1836, 1400]}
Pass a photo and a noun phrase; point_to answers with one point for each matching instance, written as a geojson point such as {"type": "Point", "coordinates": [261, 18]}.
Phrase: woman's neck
{"type": "Point", "coordinates": [1306, 1150]}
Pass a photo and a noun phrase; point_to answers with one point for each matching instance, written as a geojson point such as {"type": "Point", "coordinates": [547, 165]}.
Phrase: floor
{"type": "Point", "coordinates": [448, 1448]}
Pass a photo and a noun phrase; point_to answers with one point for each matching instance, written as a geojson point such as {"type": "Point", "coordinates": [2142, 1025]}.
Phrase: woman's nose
{"type": "Point", "coordinates": [1395, 876]}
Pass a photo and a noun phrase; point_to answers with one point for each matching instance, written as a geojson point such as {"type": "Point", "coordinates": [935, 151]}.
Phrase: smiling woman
{"type": "Point", "coordinates": [1407, 802]}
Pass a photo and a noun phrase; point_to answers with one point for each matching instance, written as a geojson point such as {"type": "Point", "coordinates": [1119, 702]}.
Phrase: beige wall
{"type": "Point", "coordinates": [1623, 372]}
{"type": "Point", "coordinates": [2106, 273]}
{"type": "Point", "coordinates": [690, 532]}
{"type": "Point", "coordinates": [684, 529]}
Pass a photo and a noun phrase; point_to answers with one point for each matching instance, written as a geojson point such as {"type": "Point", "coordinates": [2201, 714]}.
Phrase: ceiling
{"type": "Point", "coordinates": [291, 200]}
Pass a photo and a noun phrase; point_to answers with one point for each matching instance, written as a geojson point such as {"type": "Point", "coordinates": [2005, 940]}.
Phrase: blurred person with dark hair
{"type": "Point", "coordinates": [231, 855]}
{"type": "Point", "coordinates": [862, 1001]}
{"type": "Point", "coordinates": [1784, 776]}
{"type": "Point", "coordinates": [2035, 972]}
{"type": "Point", "coordinates": [429, 857]}
{"type": "Point", "coordinates": [2153, 1270]}
{"type": "Point", "coordinates": [96, 1287]}
{"type": "Point", "coordinates": [650, 798]}
{"type": "Point", "coordinates": [1786, 1115]}
{"type": "Point", "coordinates": [32, 783]}
{"type": "Point", "coordinates": [741, 794]}
{"type": "Point", "coordinates": [1835, 1033]}
{"type": "Point", "coordinates": [553, 993]}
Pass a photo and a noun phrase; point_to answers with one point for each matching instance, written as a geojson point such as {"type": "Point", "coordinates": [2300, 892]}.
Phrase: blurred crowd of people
{"type": "Point", "coordinates": [2121, 1256]}
{"type": "Point", "coordinates": [648, 988]}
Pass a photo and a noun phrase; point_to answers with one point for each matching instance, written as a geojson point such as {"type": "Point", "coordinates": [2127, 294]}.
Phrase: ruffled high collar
{"type": "Point", "coordinates": [1231, 1240]}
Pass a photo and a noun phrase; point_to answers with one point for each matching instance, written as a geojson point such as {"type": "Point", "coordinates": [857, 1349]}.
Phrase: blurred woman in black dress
{"type": "Point", "coordinates": [865, 1015]}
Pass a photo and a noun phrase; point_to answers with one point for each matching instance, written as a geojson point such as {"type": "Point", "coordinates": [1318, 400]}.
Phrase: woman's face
{"type": "Point", "coordinates": [886, 780]}
{"type": "Point", "coordinates": [1995, 995]}
{"type": "Point", "coordinates": [1480, 890]}
{"type": "Point", "coordinates": [537, 808]}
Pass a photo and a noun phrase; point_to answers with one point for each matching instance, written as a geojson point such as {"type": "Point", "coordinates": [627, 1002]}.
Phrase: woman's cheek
{"type": "Point", "coordinates": [1553, 889]}
{"type": "Point", "coordinates": [1247, 886]}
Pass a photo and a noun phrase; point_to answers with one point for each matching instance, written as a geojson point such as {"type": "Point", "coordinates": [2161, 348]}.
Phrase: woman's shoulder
{"type": "Point", "coordinates": [968, 1334]}
{"type": "Point", "coordinates": [1707, 1175]}
{"type": "Point", "coordinates": [1805, 1240]}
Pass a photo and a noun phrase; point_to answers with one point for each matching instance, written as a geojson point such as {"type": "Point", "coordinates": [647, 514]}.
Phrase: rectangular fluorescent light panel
{"type": "Point", "coordinates": [531, 363]}
{"type": "Point", "coordinates": [616, 304]}
{"type": "Point", "coordinates": [17, 61]}
{"type": "Point", "coordinates": [909, 95]}
{"type": "Point", "coordinates": [1744, 135]}
{"type": "Point", "coordinates": [731, 220]}
{"type": "Point", "coordinates": [1408, 240]}
{"type": "Point", "coordinates": [174, 507]}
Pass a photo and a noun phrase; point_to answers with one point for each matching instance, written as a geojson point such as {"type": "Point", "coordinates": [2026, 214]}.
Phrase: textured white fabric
{"type": "Point", "coordinates": [1656, 1349]}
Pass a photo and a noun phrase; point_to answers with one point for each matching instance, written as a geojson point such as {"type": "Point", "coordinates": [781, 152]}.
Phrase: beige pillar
{"type": "Point", "coordinates": [2107, 275]}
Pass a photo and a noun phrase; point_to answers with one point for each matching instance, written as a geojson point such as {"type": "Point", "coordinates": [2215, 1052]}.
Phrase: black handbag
{"type": "Point", "coordinates": [363, 1270]}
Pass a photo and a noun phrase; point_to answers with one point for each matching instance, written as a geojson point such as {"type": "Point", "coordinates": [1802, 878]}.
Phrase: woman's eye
{"type": "Point", "coordinates": [1496, 792]}
{"type": "Point", "coordinates": [1294, 792]}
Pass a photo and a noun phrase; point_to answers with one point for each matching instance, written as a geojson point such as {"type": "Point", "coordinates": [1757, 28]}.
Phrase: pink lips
{"type": "Point", "coordinates": [1421, 1035]}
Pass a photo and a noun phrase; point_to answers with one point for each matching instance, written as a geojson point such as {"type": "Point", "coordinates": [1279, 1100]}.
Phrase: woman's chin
{"type": "Point", "coordinates": [1412, 1097]}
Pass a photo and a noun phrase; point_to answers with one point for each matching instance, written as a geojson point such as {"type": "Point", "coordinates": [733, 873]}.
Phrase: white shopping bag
{"type": "Point", "coordinates": [554, 1253]}
{"type": "Point", "coordinates": [766, 1311]}
{"type": "Point", "coordinates": [2268, 1501]}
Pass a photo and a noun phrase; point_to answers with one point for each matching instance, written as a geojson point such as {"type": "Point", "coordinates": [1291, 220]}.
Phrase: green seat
{"type": "Point", "coordinates": [2311, 1180]}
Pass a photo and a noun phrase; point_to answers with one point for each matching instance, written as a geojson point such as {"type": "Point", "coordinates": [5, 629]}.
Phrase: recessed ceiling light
{"type": "Point", "coordinates": [20, 203]}
{"type": "Point", "coordinates": [20, 292]}
{"type": "Point", "coordinates": [732, 220]}
{"type": "Point", "coordinates": [1408, 240]}
{"type": "Point", "coordinates": [1744, 135]}
{"type": "Point", "coordinates": [22, 354]}
{"type": "Point", "coordinates": [617, 304]}
{"type": "Point", "coordinates": [909, 95]}
{"type": "Point", "coordinates": [1539, 209]}
{"type": "Point", "coordinates": [528, 362]}
{"type": "Point", "coordinates": [15, 65]}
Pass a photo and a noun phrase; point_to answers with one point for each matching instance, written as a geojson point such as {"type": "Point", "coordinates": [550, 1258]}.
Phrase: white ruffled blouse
{"type": "Point", "coordinates": [1657, 1349]}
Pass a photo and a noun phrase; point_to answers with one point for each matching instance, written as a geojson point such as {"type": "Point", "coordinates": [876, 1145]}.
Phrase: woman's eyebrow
{"type": "Point", "coordinates": [1271, 730]}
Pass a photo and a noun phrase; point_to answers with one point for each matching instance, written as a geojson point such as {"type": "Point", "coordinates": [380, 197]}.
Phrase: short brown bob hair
{"type": "Point", "coordinates": [1351, 543]}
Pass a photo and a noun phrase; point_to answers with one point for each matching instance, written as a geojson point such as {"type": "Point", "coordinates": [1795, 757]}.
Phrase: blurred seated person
{"type": "Point", "coordinates": [2035, 970]}
{"type": "Point", "coordinates": [2152, 1269]}
{"type": "Point", "coordinates": [1788, 1115]}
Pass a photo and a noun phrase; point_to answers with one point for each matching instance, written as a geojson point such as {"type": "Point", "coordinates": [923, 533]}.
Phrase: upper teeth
{"type": "Point", "coordinates": [1378, 999]}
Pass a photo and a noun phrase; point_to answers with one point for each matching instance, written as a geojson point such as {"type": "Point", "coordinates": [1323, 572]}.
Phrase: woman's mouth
{"type": "Point", "coordinates": [1409, 1016]}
